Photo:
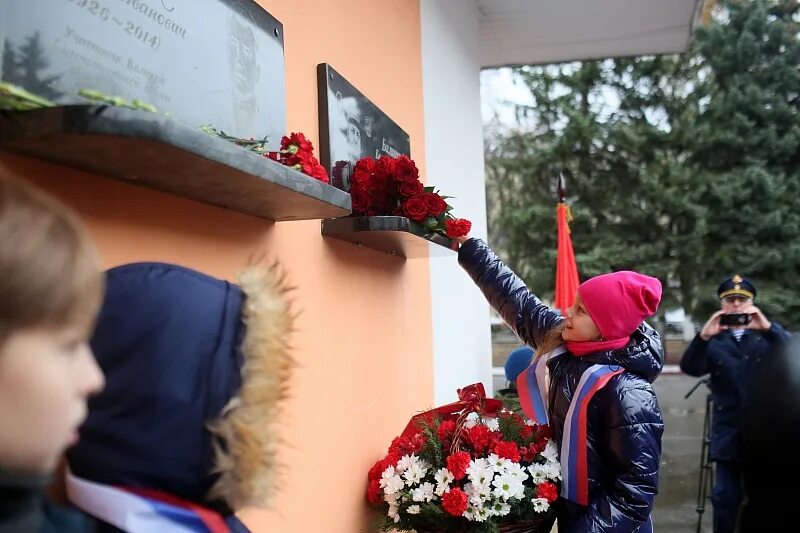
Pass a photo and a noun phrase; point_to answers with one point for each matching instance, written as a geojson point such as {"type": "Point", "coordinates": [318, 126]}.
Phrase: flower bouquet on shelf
{"type": "Point", "coordinates": [468, 467]}
{"type": "Point", "coordinates": [390, 186]}
{"type": "Point", "coordinates": [296, 152]}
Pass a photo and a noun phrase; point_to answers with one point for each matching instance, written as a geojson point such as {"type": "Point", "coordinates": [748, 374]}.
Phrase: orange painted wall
{"type": "Point", "coordinates": [363, 343]}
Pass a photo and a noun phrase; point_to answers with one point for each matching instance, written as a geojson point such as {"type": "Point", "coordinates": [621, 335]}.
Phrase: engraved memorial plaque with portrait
{"type": "Point", "coordinates": [352, 127]}
{"type": "Point", "coordinates": [216, 62]}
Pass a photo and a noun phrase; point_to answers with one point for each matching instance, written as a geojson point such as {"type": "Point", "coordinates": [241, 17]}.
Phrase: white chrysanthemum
{"type": "Point", "coordinates": [415, 473]}
{"type": "Point", "coordinates": [405, 462]}
{"type": "Point", "coordinates": [481, 514]}
{"type": "Point", "coordinates": [479, 471]}
{"type": "Point", "coordinates": [394, 512]}
{"type": "Point", "coordinates": [386, 475]}
{"type": "Point", "coordinates": [539, 472]}
{"type": "Point", "coordinates": [552, 470]}
{"type": "Point", "coordinates": [443, 479]}
{"type": "Point", "coordinates": [529, 422]}
{"type": "Point", "coordinates": [516, 470]}
{"type": "Point", "coordinates": [393, 485]}
{"type": "Point", "coordinates": [500, 509]}
{"type": "Point", "coordinates": [413, 509]}
{"type": "Point", "coordinates": [550, 452]}
{"type": "Point", "coordinates": [497, 463]}
{"type": "Point", "coordinates": [492, 424]}
{"type": "Point", "coordinates": [423, 493]}
{"type": "Point", "coordinates": [507, 487]}
{"type": "Point", "coordinates": [540, 505]}
{"type": "Point", "coordinates": [471, 420]}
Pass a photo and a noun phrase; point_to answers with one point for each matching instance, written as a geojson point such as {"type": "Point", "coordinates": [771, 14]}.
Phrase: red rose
{"type": "Point", "coordinates": [374, 492]}
{"type": "Point", "coordinates": [479, 437]}
{"type": "Point", "coordinates": [454, 501]}
{"type": "Point", "coordinates": [362, 202]}
{"type": "Point", "coordinates": [435, 204]}
{"type": "Point", "coordinates": [410, 188]}
{"type": "Point", "coordinates": [405, 169]}
{"type": "Point", "coordinates": [386, 165]}
{"type": "Point", "coordinates": [458, 463]}
{"type": "Point", "coordinates": [507, 450]}
{"type": "Point", "coordinates": [446, 430]}
{"type": "Point", "coordinates": [457, 227]}
{"type": "Point", "coordinates": [366, 164]}
{"type": "Point", "coordinates": [415, 209]}
{"type": "Point", "coordinates": [547, 490]}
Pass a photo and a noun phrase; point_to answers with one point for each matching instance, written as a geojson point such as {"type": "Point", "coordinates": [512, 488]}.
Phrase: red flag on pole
{"type": "Point", "coordinates": [566, 268]}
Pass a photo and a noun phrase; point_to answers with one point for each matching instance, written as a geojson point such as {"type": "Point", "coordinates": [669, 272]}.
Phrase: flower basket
{"type": "Point", "coordinates": [468, 467]}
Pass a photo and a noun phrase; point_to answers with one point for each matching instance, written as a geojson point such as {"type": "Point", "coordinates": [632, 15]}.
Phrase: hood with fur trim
{"type": "Point", "coordinates": [195, 370]}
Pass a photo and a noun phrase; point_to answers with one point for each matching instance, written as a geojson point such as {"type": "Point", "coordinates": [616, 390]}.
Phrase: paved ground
{"type": "Point", "coordinates": [675, 509]}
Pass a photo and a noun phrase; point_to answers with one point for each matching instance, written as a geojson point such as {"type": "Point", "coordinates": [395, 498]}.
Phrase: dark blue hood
{"type": "Point", "coordinates": [168, 340]}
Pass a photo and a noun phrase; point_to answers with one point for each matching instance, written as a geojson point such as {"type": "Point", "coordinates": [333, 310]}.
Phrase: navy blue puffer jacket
{"type": "Point", "coordinates": [624, 424]}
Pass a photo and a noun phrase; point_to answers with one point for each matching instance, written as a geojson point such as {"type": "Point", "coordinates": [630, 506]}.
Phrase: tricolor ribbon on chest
{"type": "Point", "coordinates": [534, 398]}
{"type": "Point", "coordinates": [142, 510]}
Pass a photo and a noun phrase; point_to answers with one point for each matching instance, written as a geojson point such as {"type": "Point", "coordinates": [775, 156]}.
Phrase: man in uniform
{"type": "Point", "coordinates": [731, 347]}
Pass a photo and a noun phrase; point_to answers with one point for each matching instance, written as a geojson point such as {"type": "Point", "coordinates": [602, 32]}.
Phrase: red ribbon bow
{"type": "Point", "coordinates": [472, 398]}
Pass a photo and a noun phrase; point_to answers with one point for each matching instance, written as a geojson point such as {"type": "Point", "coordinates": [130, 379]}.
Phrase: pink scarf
{"type": "Point", "coordinates": [587, 347]}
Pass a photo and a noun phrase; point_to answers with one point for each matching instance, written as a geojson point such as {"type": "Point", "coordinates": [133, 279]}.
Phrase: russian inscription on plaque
{"type": "Point", "coordinates": [217, 62]}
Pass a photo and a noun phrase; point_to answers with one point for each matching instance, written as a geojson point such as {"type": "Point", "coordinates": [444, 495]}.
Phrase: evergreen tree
{"type": "Point", "coordinates": [683, 167]}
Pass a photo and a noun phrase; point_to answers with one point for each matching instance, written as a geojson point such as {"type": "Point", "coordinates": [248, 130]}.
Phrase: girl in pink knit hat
{"type": "Point", "coordinates": [590, 380]}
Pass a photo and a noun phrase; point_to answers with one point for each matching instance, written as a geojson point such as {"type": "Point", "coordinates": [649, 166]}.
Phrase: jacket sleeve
{"type": "Point", "coordinates": [506, 293]}
{"type": "Point", "coordinates": [630, 446]}
{"type": "Point", "coordinates": [695, 359]}
{"type": "Point", "coordinates": [777, 335]}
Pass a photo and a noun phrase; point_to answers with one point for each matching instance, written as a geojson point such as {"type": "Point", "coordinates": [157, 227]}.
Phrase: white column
{"type": "Point", "coordinates": [454, 163]}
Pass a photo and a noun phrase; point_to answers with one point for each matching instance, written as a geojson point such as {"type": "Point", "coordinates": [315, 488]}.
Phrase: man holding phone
{"type": "Point", "coordinates": [731, 347]}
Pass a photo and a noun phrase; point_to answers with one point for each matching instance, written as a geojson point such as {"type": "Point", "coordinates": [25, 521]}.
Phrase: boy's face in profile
{"type": "Point", "coordinates": [47, 375]}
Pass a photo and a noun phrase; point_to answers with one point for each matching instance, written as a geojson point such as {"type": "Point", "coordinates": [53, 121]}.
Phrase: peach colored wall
{"type": "Point", "coordinates": [364, 336]}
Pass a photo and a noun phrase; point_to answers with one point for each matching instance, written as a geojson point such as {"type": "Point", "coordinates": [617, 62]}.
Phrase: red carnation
{"type": "Point", "coordinates": [526, 431]}
{"type": "Point", "coordinates": [435, 204]}
{"type": "Point", "coordinates": [457, 227]}
{"type": "Point", "coordinates": [454, 501]}
{"type": "Point", "coordinates": [374, 492]}
{"type": "Point", "coordinates": [479, 437]}
{"type": "Point", "coordinates": [380, 466]}
{"type": "Point", "coordinates": [416, 209]}
{"type": "Point", "coordinates": [507, 450]}
{"type": "Point", "coordinates": [446, 430]}
{"type": "Point", "coordinates": [547, 490]}
{"type": "Point", "coordinates": [458, 463]}
{"type": "Point", "coordinates": [527, 454]}
{"type": "Point", "coordinates": [401, 446]}
{"type": "Point", "coordinates": [298, 141]}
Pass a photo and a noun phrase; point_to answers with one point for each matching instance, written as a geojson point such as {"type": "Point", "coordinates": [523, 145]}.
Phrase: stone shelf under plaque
{"type": "Point", "coordinates": [151, 150]}
{"type": "Point", "coordinates": [393, 235]}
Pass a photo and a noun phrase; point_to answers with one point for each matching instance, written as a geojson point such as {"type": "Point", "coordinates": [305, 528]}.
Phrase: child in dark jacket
{"type": "Point", "coordinates": [50, 290]}
{"type": "Point", "coordinates": [591, 381]}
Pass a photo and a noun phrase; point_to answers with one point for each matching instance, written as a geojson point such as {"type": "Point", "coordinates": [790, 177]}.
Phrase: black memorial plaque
{"type": "Point", "coordinates": [217, 62]}
{"type": "Point", "coordinates": [352, 127]}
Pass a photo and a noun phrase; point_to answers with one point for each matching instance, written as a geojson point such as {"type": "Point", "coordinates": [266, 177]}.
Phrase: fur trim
{"type": "Point", "coordinates": [245, 443]}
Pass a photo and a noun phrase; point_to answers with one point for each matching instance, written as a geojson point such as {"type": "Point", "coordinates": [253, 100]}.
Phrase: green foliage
{"type": "Point", "coordinates": [684, 167]}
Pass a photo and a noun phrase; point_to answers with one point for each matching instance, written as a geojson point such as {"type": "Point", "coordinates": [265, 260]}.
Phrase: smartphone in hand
{"type": "Point", "coordinates": [734, 319]}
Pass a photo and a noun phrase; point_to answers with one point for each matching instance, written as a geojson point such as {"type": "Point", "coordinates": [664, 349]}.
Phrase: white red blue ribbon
{"type": "Point", "coordinates": [141, 511]}
{"type": "Point", "coordinates": [533, 388]}
{"type": "Point", "coordinates": [574, 461]}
